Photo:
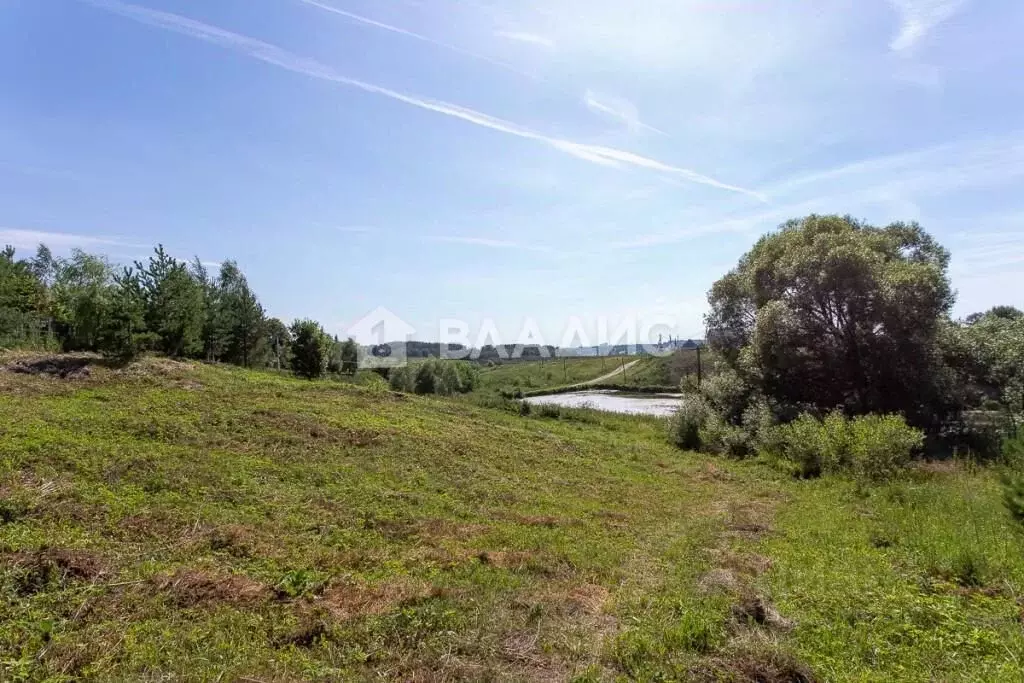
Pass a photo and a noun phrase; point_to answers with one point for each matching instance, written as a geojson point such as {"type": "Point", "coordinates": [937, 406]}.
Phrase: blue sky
{"type": "Point", "coordinates": [476, 159]}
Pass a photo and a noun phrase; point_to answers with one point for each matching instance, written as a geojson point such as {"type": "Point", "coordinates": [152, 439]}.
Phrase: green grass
{"type": "Point", "coordinates": [918, 580]}
{"type": "Point", "coordinates": [670, 370]}
{"type": "Point", "coordinates": [555, 372]}
{"type": "Point", "coordinates": [179, 521]}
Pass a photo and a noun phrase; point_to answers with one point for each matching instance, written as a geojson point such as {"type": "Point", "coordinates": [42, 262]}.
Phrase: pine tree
{"type": "Point", "coordinates": [123, 333]}
{"type": "Point", "coordinates": [242, 320]}
{"type": "Point", "coordinates": [174, 304]}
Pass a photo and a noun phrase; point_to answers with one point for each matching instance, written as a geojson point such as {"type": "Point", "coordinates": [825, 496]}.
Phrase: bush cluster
{"type": "Point", "coordinates": [873, 447]}
{"type": "Point", "coordinates": [724, 419]}
{"type": "Point", "coordinates": [435, 376]}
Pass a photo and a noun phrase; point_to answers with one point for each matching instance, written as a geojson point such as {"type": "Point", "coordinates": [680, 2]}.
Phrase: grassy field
{"type": "Point", "coordinates": [174, 521]}
{"type": "Point", "coordinates": [556, 372]}
{"type": "Point", "coordinates": [667, 371]}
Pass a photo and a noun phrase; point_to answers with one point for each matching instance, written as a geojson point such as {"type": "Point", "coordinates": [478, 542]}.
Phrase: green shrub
{"type": "Point", "coordinates": [835, 442]}
{"type": "Point", "coordinates": [881, 446]}
{"type": "Point", "coordinates": [402, 379]}
{"type": "Point", "coordinates": [375, 383]}
{"type": "Point", "coordinates": [549, 410]}
{"type": "Point", "coordinates": [427, 378]}
{"type": "Point", "coordinates": [799, 443]}
{"type": "Point", "coordinates": [1013, 496]}
{"type": "Point", "coordinates": [718, 436]}
{"type": "Point", "coordinates": [727, 395]}
{"type": "Point", "coordinates": [444, 377]}
{"type": "Point", "coordinates": [685, 426]}
{"type": "Point", "coordinates": [875, 447]}
{"type": "Point", "coordinates": [1013, 450]}
{"type": "Point", "coordinates": [761, 426]}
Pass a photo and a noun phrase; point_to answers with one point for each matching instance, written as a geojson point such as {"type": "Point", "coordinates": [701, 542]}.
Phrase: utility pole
{"type": "Point", "coordinates": [700, 373]}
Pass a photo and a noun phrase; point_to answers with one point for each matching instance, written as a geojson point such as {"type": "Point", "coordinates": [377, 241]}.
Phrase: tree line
{"type": "Point", "coordinates": [178, 308]}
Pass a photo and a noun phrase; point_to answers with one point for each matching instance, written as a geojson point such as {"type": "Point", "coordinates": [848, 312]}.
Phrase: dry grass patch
{"type": "Point", "coordinates": [754, 610]}
{"type": "Point", "coordinates": [532, 561]}
{"type": "Point", "coordinates": [351, 600]}
{"type": "Point", "coordinates": [191, 587]}
{"type": "Point", "coordinates": [38, 570]}
{"type": "Point", "coordinates": [763, 664]}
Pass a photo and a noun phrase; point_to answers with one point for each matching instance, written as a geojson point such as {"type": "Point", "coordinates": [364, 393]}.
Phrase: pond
{"type": "Point", "coordinates": [660, 405]}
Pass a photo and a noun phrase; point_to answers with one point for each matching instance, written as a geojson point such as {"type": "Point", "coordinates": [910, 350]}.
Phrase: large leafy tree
{"type": "Point", "coordinates": [311, 348]}
{"type": "Point", "coordinates": [349, 356]}
{"type": "Point", "coordinates": [989, 351]}
{"type": "Point", "coordinates": [22, 294]}
{"type": "Point", "coordinates": [279, 341]}
{"type": "Point", "coordinates": [81, 298]}
{"type": "Point", "coordinates": [830, 312]}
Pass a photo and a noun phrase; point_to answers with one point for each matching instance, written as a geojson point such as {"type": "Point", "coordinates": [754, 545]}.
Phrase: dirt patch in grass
{"type": "Point", "coordinates": [743, 564]}
{"type": "Point", "coordinates": [521, 649]}
{"type": "Point", "coordinates": [523, 560]}
{"type": "Point", "coordinates": [76, 564]}
{"type": "Point", "coordinates": [587, 599]}
{"type": "Point", "coordinates": [352, 600]}
{"type": "Point", "coordinates": [433, 531]}
{"type": "Point", "coordinates": [304, 428]}
{"type": "Point", "coordinates": [237, 540]}
{"type": "Point", "coordinates": [190, 587]}
{"type": "Point", "coordinates": [718, 580]}
{"type": "Point", "coordinates": [712, 472]}
{"type": "Point", "coordinates": [562, 625]}
{"type": "Point", "coordinates": [541, 520]}
{"type": "Point", "coordinates": [161, 367]}
{"type": "Point", "coordinates": [754, 610]}
{"type": "Point", "coordinates": [39, 570]}
{"type": "Point", "coordinates": [755, 666]}
{"type": "Point", "coordinates": [155, 524]}
{"type": "Point", "coordinates": [613, 520]}
{"type": "Point", "coordinates": [60, 367]}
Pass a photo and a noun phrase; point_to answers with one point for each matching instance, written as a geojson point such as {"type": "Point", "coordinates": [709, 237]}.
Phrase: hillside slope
{"type": "Point", "coordinates": [200, 523]}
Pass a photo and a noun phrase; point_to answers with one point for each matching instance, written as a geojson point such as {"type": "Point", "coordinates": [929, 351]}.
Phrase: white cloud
{"type": "Point", "coordinates": [60, 241]}
{"type": "Point", "coordinates": [284, 59]}
{"type": "Point", "coordinates": [652, 36]}
{"type": "Point", "coordinates": [890, 186]}
{"type": "Point", "coordinates": [617, 108]}
{"type": "Point", "coordinates": [523, 37]}
{"type": "Point", "coordinates": [416, 36]}
{"type": "Point", "coordinates": [487, 242]}
{"type": "Point", "coordinates": [918, 17]}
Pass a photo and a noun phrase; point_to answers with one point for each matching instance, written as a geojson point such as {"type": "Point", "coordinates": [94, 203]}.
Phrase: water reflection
{"type": "Point", "coordinates": [661, 405]}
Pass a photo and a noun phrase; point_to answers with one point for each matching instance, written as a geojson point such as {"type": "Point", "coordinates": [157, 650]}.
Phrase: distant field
{"type": "Point", "coordinates": [667, 371]}
{"type": "Point", "coordinates": [173, 521]}
{"type": "Point", "coordinates": [555, 372]}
